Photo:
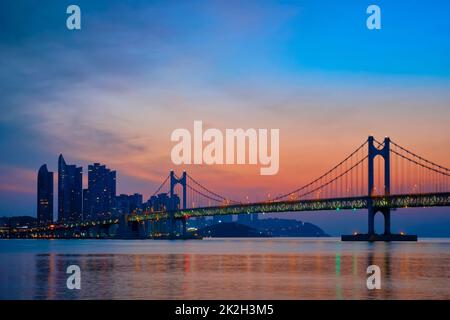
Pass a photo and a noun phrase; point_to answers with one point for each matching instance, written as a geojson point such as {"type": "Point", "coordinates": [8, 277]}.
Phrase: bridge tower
{"type": "Point", "coordinates": [173, 182]}
{"type": "Point", "coordinates": [384, 152]}
{"type": "Point", "coordinates": [378, 150]}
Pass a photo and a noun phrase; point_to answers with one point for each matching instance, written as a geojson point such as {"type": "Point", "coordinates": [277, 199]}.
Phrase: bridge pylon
{"type": "Point", "coordinates": [173, 182]}
{"type": "Point", "coordinates": [383, 152]}
{"type": "Point", "coordinates": [373, 152]}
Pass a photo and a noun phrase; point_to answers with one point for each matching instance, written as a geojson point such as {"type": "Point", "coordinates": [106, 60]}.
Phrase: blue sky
{"type": "Point", "coordinates": [113, 91]}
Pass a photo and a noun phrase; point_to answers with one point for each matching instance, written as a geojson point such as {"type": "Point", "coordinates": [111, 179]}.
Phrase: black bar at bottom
{"type": "Point", "coordinates": [227, 309]}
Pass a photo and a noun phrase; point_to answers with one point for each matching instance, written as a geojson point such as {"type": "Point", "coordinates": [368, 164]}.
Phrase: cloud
{"type": "Point", "coordinates": [17, 180]}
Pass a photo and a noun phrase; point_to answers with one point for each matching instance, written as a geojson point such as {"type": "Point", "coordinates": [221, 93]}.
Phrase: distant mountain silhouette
{"type": "Point", "coordinates": [289, 228]}
{"type": "Point", "coordinates": [264, 228]}
{"type": "Point", "coordinates": [230, 229]}
{"type": "Point", "coordinates": [19, 221]}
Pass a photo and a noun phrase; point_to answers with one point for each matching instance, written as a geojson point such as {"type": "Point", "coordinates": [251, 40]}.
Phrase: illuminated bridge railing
{"type": "Point", "coordinates": [160, 215]}
{"type": "Point", "coordinates": [393, 201]}
{"type": "Point", "coordinates": [415, 201]}
{"type": "Point", "coordinates": [284, 206]}
{"type": "Point", "coordinates": [84, 224]}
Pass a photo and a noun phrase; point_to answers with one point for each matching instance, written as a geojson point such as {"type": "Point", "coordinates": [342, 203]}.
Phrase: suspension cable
{"type": "Point", "coordinates": [336, 178]}
{"type": "Point", "coordinates": [419, 157]}
{"type": "Point", "coordinates": [420, 164]}
{"type": "Point", "coordinates": [209, 191]}
{"type": "Point", "coordinates": [203, 194]}
{"type": "Point", "coordinates": [161, 186]}
{"type": "Point", "coordinates": [322, 176]}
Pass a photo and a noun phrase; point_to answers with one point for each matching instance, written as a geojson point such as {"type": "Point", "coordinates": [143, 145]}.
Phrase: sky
{"type": "Point", "coordinates": [114, 91]}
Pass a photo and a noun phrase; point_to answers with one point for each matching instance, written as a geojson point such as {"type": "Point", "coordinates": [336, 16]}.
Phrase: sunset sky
{"type": "Point", "coordinates": [114, 91]}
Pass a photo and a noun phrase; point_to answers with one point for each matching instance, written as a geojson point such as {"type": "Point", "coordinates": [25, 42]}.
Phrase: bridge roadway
{"type": "Point", "coordinates": [354, 203]}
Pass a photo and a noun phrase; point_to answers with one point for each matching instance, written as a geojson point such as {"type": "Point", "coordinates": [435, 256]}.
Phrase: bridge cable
{"type": "Point", "coordinates": [419, 157]}
{"type": "Point", "coordinates": [203, 194]}
{"type": "Point", "coordinates": [335, 178]}
{"type": "Point", "coordinates": [211, 192]}
{"type": "Point", "coordinates": [322, 176]}
{"type": "Point", "coordinates": [160, 187]}
{"type": "Point", "coordinates": [420, 164]}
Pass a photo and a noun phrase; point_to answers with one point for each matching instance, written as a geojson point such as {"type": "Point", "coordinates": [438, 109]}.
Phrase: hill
{"type": "Point", "coordinates": [230, 229]}
{"type": "Point", "coordinates": [272, 227]}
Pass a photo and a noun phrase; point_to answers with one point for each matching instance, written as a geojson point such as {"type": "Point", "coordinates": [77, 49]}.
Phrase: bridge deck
{"type": "Point", "coordinates": [393, 201]}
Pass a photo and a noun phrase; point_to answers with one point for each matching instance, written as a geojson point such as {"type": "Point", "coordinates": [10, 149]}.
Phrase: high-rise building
{"type": "Point", "coordinates": [122, 205]}
{"type": "Point", "coordinates": [128, 204]}
{"type": "Point", "coordinates": [101, 191]}
{"type": "Point", "coordinates": [163, 202]}
{"type": "Point", "coordinates": [135, 202]}
{"type": "Point", "coordinates": [44, 196]}
{"type": "Point", "coordinates": [70, 180]}
{"type": "Point", "coordinates": [86, 208]}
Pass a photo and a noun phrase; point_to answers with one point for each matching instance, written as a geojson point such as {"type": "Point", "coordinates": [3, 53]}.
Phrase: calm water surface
{"type": "Point", "coordinates": [281, 268]}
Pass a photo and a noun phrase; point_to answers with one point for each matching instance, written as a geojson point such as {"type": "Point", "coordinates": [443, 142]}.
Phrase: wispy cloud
{"type": "Point", "coordinates": [17, 180]}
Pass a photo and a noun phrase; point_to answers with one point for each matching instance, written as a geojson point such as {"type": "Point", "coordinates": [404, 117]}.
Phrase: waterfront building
{"type": "Point", "coordinates": [70, 178]}
{"type": "Point", "coordinates": [44, 196]}
{"type": "Point", "coordinates": [101, 192]}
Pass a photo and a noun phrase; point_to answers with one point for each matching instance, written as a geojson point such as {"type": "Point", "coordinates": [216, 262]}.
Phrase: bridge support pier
{"type": "Point", "coordinates": [184, 221]}
{"type": "Point", "coordinates": [142, 230]}
{"type": "Point", "coordinates": [371, 215]}
{"type": "Point", "coordinates": [386, 212]}
{"type": "Point", "coordinates": [387, 221]}
{"type": "Point", "coordinates": [172, 225]}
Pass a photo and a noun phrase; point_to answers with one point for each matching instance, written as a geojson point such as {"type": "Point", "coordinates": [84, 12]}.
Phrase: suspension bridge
{"type": "Point", "coordinates": [379, 176]}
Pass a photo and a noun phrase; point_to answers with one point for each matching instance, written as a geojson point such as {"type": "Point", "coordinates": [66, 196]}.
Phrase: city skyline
{"type": "Point", "coordinates": [98, 201]}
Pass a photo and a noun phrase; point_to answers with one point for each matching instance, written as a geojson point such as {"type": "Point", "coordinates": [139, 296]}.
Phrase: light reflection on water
{"type": "Point", "coordinates": [224, 269]}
